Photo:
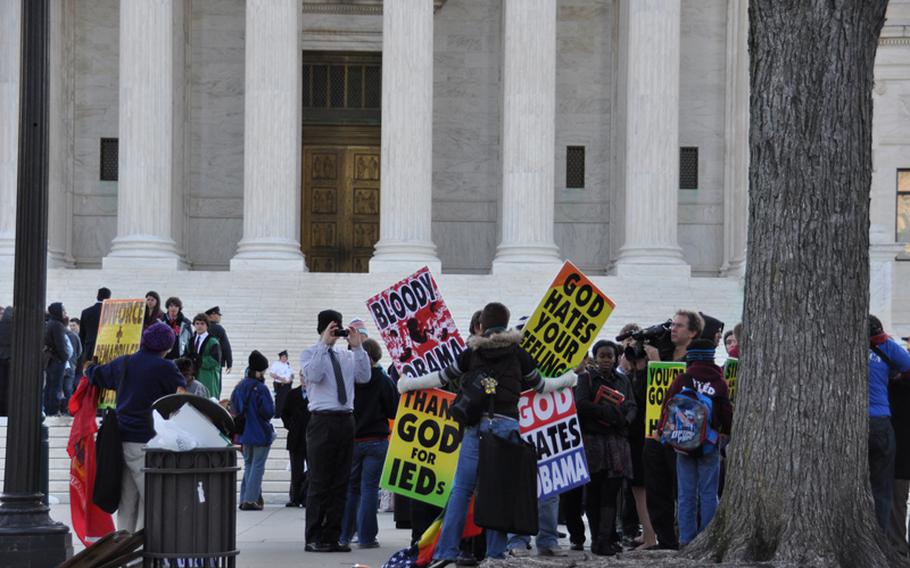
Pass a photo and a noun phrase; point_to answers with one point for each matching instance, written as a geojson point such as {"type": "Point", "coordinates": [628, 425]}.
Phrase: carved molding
{"type": "Point", "coordinates": [352, 7]}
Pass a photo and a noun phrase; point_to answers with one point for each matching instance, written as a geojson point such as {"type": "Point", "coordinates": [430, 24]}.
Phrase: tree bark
{"type": "Point", "coordinates": [797, 489]}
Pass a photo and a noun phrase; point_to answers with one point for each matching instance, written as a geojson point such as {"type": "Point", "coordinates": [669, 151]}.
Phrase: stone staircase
{"type": "Point", "coordinates": [275, 311]}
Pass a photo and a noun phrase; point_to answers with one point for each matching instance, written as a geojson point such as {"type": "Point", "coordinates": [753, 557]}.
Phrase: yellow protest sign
{"type": "Point", "coordinates": [566, 322]}
{"type": "Point", "coordinates": [119, 333]}
{"type": "Point", "coordinates": [730, 369]}
{"type": "Point", "coordinates": [660, 376]}
{"type": "Point", "coordinates": [423, 450]}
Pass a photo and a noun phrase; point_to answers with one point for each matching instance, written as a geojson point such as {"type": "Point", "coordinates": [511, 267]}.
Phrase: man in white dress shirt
{"type": "Point", "coordinates": [330, 373]}
{"type": "Point", "coordinates": [282, 377]}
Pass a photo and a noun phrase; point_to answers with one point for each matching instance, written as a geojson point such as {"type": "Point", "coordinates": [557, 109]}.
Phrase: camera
{"type": "Point", "coordinates": [658, 336]}
{"type": "Point", "coordinates": [340, 332]}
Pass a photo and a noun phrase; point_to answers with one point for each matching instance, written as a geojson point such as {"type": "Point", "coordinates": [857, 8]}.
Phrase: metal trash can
{"type": "Point", "coordinates": [191, 508]}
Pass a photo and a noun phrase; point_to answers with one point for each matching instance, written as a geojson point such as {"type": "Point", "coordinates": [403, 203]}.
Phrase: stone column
{"type": "Point", "coordinates": [151, 133]}
{"type": "Point", "coordinates": [528, 136]}
{"type": "Point", "coordinates": [649, 39]}
{"type": "Point", "coordinates": [60, 137]}
{"type": "Point", "coordinates": [271, 139]}
{"type": "Point", "coordinates": [882, 252]}
{"type": "Point", "coordinates": [405, 222]}
{"type": "Point", "coordinates": [10, 34]}
{"type": "Point", "coordinates": [736, 133]}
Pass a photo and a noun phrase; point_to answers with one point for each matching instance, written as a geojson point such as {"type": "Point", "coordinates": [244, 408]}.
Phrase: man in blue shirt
{"type": "Point", "coordinates": [885, 357]}
{"type": "Point", "coordinates": [330, 373]}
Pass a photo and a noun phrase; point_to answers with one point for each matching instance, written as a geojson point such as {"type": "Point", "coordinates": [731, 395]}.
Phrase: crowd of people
{"type": "Point", "coordinates": [643, 492]}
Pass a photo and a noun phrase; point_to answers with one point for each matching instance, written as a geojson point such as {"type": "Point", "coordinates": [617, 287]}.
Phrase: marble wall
{"type": "Point", "coordinates": [96, 86]}
{"type": "Point", "coordinates": [702, 90]}
{"type": "Point", "coordinates": [467, 175]}
{"type": "Point", "coordinates": [585, 43]}
{"type": "Point", "coordinates": [214, 195]}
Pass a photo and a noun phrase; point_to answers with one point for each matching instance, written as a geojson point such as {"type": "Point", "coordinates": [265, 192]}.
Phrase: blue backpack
{"type": "Point", "coordinates": [688, 426]}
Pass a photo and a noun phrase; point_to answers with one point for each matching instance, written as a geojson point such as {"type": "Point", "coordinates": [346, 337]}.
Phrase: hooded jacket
{"type": "Point", "coordinates": [253, 399]}
{"type": "Point", "coordinates": [499, 352]}
{"type": "Point", "coordinates": [55, 334]}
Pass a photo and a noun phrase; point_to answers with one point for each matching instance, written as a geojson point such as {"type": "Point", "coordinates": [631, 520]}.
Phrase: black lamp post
{"type": "Point", "coordinates": [28, 536]}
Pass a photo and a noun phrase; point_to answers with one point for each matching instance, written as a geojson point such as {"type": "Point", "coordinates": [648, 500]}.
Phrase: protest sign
{"type": "Point", "coordinates": [566, 322]}
{"type": "Point", "coordinates": [423, 451]}
{"type": "Point", "coordinates": [416, 326]}
{"type": "Point", "coordinates": [550, 423]}
{"type": "Point", "coordinates": [730, 370]}
{"type": "Point", "coordinates": [660, 377]}
{"type": "Point", "coordinates": [119, 333]}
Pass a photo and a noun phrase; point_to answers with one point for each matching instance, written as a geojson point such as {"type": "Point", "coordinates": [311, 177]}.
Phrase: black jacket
{"type": "Point", "coordinates": [55, 338]}
{"type": "Point", "coordinates": [375, 403]}
{"type": "Point", "coordinates": [6, 334]}
{"type": "Point", "coordinates": [604, 417]}
{"type": "Point", "coordinates": [295, 416]}
{"type": "Point", "coordinates": [88, 330]}
{"type": "Point", "coordinates": [227, 357]}
{"type": "Point", "coordinates": [500, 355]}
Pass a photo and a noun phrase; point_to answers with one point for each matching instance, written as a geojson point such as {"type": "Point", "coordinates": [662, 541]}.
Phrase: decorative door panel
{"type": "Point", "coordinates": [340, 217]}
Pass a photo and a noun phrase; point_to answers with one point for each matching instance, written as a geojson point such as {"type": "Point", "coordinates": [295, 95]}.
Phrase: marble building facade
{"type": "Point", "coordinates": [481, 101]}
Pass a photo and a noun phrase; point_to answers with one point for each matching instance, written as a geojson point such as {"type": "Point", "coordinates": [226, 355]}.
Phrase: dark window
{"type": "Point", "coordinates": [688, 167]}
{"type": "Point", "coordinates": [372, 86]}
{"type": "Point", "coordinates": [902, 222]}
{"type": "Point", "coordinates": [109, 147]}
{"type": "Point", "coordinates": [336, 84]}
{"type": "Point", "coordinates": [575, 167]}
{"type": "Point", "coordinates": [320, 85]}
{"type": "Point", "coordinates": [341, 88]}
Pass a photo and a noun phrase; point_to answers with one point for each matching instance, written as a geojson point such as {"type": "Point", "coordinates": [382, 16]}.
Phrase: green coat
{"type": "Point", "coordinates": [208, 364]}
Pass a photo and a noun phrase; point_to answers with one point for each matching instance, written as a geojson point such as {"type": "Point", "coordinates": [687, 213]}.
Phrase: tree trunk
{"type": "Point", "coordinates": [797, 489]}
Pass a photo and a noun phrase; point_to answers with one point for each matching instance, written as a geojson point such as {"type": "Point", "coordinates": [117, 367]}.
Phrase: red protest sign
{"type": "Point", "coordinates": [416, 326]}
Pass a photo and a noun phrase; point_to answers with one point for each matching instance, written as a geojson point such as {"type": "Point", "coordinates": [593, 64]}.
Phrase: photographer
{"type": "Point", "coordinates": [330, 373]}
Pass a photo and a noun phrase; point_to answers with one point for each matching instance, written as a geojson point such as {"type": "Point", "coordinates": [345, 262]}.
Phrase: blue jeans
{"type": "Point", "coordinates": [881, 466]}
{"type": "Point", "coordinates": [697, 479]}
{"type": "Point", "coordinates": [363, 492]}
{"type": "Point", "coordinates": [253, 468]}
{"type": "Point", "coordinates": [463, 487]}
{"type": "Point", "coordinates": [69, 381]}
{"type": "Point", "coordinates": [53, 385]}
{"type": "Point", "coordinates": [547, 535]}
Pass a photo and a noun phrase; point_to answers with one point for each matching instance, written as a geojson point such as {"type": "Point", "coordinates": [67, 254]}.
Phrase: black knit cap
{"type": "Point", "coordinates": [701, 350]}
{"type": "Point", "coordinates": [325, 318]}
{"type": "Point", "coordinates": [257, 362]}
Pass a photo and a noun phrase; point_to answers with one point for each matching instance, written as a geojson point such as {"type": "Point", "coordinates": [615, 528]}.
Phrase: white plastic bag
{"type": "Point", "coordinates": [169, 436]}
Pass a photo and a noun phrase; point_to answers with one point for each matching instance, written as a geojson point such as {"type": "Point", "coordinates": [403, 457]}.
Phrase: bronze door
{"type": "Point", "coordinates": [340, 217]}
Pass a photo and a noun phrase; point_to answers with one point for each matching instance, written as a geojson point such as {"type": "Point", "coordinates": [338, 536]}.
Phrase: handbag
{"type": "Point", "coordinates": [477, 388]}
{"type": "Point", "coordinates": [507, 485]}
{"type": "Point", "coordinates": [109, 457]}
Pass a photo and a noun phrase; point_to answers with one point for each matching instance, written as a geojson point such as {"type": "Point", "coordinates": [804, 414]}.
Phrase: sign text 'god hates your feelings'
{"type": "Point", "coordinates": [566, 322]}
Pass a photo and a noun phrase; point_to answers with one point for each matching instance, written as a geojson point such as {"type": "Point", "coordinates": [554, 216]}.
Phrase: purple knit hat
{"type": "Point", "coordinates": [158, 337]}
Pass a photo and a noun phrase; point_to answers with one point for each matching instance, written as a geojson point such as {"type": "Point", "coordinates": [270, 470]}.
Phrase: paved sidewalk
{"type": "Point", "coordinates": [274, 537]}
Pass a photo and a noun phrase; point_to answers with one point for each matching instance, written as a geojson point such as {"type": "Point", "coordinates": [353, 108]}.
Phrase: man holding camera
{"type": "Point", "coordinates": [330, 373]}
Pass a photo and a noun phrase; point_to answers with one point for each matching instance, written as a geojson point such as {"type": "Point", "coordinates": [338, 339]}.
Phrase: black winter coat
{"type": "Point", "coordinates": [88, 330]}
{"type": "Point", "coordinates": [55, 340]}
{"type": "Point", "coordinates": [375, 403]}
{"type": "Point", "coordinates": [227, 356]}
{"type": "Point", "coordinates": [295, 416]}
{"type": "Point", "coordinates": [604, 417]}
